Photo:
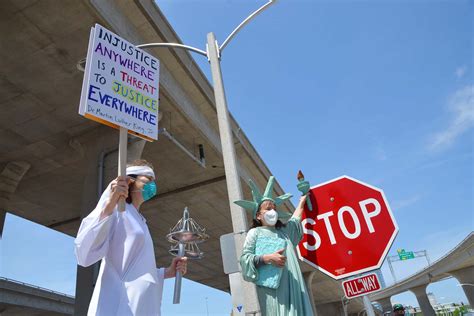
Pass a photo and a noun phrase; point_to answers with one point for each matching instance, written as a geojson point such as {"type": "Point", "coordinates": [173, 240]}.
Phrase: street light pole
{"type": "Point", "coordinates": [234, 189]}
{"type": "Point", "coordinates": [244, 294]}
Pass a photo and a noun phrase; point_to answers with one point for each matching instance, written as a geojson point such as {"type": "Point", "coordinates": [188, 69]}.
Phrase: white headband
{"type": "Point", "coordinates": [141, 171]}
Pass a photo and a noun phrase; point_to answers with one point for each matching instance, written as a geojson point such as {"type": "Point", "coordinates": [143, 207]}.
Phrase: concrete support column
{"type": "Point", "coordinates": [334, 308]}
{"type": "Point", "coordinates": [85, 282]}
{"type": "Point", "coordinates": [386, 304]}
{"type": "Point", "coordinates": [466, 278]}
{"type": "Point", "coordinates": [423, 301]}
{"type": "Point", "coordinates": [308, 279]}
{"type": "Point", "coordinates": [3, 215]}
{"type": "Point", "coordinates": [86, 277]}
{"type": "Point", "coordinates": [10, 177]}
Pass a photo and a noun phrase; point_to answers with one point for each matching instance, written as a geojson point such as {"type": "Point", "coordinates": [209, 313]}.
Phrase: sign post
{"type": "Point", "coordinates": [403, 255]}
{"type": "Point", "coordinates": [120, 90]}
{"type": "Point", "coordinates": [122, 161]}
{"type": "Point", "coordinates": [350, 229]}
{"type": "Point", "coordinates": [368, 306]}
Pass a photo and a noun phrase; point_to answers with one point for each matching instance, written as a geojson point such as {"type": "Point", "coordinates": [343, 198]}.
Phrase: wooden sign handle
{"type": "Point", "coordinates": [122, 161]}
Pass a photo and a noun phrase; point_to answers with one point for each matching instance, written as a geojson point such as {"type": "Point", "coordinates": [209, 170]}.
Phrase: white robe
{"type": "Point", "coordinates": [129, 282]}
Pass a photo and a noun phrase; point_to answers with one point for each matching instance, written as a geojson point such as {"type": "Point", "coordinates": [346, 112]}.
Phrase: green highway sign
{"type": "Point", "coordinates": [405, 255]}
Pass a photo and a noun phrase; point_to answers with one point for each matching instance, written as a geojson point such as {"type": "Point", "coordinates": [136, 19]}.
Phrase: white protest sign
{"type": "Point", "coordinates": [120, 86]}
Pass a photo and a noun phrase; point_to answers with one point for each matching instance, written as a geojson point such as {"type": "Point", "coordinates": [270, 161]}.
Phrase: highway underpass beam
{"type": "Point", "coordinates": [423, 301]}
{"type": "Point", "coordinates": [18, 298]}
{"type": "Point", "coordinates": [466, 279]}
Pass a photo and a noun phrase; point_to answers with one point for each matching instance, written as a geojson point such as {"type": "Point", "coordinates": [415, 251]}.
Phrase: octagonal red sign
{"type": "Point", "coordinates": [349, 230]}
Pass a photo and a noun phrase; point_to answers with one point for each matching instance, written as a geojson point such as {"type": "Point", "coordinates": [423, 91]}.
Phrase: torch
{"type": "Point", "coordinates": [303, 187]}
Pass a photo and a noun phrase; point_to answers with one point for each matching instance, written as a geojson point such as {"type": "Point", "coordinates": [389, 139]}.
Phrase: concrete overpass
{"type": "Point", "coordinates": [18, 298]}
{"type": "Point", "coordinates": [54, 163]}
{"type": "Point", "coordinates": [458, 263]}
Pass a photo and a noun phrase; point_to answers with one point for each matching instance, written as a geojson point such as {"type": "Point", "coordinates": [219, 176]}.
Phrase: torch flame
{"type": "Point", "coordinates": [300, 176]}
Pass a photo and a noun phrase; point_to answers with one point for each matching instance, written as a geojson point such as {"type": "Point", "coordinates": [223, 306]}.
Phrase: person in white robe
{"type": "Point", "coordinates": [129, 282]}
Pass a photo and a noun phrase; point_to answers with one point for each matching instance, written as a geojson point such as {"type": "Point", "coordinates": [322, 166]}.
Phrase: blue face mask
{"type": "Point", "coordinates": [149, 190]}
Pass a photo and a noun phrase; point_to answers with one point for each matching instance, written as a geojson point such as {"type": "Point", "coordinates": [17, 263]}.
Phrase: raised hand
{"type": "Point", "coordinates": [118, 189]}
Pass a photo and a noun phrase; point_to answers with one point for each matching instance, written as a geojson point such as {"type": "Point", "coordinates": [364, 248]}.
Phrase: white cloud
{"type": "Point", "coordinates": [460, 72]}
{"type": "Point", "coordinates": [380, 154]}
{"type": "Point", "coordinates": [399, 204]}
{"type": "Point", "coordinates": [439, 243]}
{"type": "Point", "coordinates": [452, 159]}
{"type": "Point", "coordinates": [461, 104]}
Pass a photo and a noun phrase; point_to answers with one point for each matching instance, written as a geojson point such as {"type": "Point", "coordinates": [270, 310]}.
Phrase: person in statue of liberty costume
{"type": "Point", "coordinates": [290, 297]}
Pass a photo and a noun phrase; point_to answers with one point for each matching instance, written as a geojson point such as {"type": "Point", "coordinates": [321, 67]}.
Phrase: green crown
{"type": "Point", "coordinates": [258, 198]}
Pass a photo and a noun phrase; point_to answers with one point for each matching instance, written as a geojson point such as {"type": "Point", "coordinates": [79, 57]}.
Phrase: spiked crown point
{"type": "Point", "coordinates": [253, 206]}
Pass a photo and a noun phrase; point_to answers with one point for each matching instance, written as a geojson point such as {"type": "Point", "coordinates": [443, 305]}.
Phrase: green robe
{"type": "Point", "coordinates": [291, 297]}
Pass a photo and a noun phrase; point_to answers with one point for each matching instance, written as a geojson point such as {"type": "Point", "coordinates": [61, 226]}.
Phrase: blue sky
{"type": "Point", "coordinates": [378, 90]}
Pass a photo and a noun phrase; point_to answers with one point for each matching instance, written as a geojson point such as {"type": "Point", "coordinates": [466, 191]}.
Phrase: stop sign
{"type": "Point", "coordinates": [349, 230]}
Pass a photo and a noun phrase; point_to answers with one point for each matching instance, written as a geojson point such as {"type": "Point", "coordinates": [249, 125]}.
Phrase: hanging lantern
{"type": "Point", "coordinates": [185, 236]}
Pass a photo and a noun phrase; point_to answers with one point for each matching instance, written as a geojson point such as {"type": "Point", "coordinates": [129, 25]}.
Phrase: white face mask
{"type": "Point", "coordinates": [270, 217]}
